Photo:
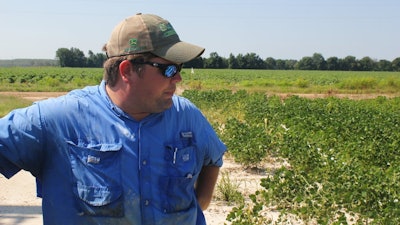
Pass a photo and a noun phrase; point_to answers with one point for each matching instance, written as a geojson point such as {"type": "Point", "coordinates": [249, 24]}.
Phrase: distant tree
{"type": "Point", "coordinates": [366, 64]}
{"type": "Point", "coordinates": [240, 60]}
{"type": "Point", "coordinates": [305, 63]}
{"type": "Point", "coordinates": [396, 64]}
{"type": "Point", "coordinates": [270, 63]}
{"type": "Point", "coordinates": [332, 63]}
{"type": "Point", "coordinates": [232, 62]}
{"type": "Point", "coordinates": [195, 63]}
{"type": "Point", "coordinates": [318, 62]}
{"type": "Point", "coordinates": [350, 63]}
{"type": "Point", "coordinates": [72, 57]}
{"type": "Point", "coordinates": [215, 61]}
{"type": "Point", "coordinates": [253, 61]}
{"type": "Point", "coordinates": [290, 64]}
{"type": "Point", "coordinates": [384, 65]}
{"type": "Point", "coordinates": [79, 59]}
{"type": "Point", "coordinates": [95, 60]}
{"type": "Point", "coordinates": [65, 57]}
{"type": "Point", "coordinates": [280, 64]}
{"type": "Point", "coordinates": [91, 59]}
{"type": "Point", "coordinates": [101, 58]}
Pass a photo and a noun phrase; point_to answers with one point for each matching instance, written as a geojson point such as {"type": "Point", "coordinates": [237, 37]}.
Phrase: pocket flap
{"type": "Point", "coordinates": [98, 196]}
{"type": "Point", "coordinates": [99, 147]}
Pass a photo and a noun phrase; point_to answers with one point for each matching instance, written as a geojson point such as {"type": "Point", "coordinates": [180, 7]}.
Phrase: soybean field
{"type": "Point", "coordinates": [343, 155]}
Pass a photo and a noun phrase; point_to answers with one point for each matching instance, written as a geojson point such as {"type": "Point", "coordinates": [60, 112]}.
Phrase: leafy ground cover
{"type": "Point", "coordinates": [343, 154]}
{"type": "Point", "coordinates": [47, 78]}
{"type": "Point", "coordinates": [8, 103]}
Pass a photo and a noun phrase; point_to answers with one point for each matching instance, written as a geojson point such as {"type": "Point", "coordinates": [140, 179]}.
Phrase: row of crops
{"type": "Point", "coordinates": [344, 155]}
{"type": "Point", "coordinates": [47, 78]}
{"type": "Point", "coordinates": [275, 81]}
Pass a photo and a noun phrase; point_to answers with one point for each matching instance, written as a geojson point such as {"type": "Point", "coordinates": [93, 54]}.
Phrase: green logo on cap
{"type": "Point", "coordinates": [167, 29]}
{"type": "Point", "coordinates": [133, 42]}
{"type": "Point", "coordinates": [133, 46]}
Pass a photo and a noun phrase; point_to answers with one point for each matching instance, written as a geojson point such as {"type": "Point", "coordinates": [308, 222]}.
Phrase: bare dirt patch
{"type": "Point", "coordinates": [33, 96]}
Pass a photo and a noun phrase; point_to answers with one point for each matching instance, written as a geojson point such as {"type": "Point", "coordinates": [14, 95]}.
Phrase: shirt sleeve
{"type": "Point", "coordinates": [21, 141]}
{"type": "Point", "coordinates": [206, 138]}
{"type": "Point", "coordinates": [215, 148]}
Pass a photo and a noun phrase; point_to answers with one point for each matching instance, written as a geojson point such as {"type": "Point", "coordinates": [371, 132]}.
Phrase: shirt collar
{"type": "Point", "coordinates": [118, 111]}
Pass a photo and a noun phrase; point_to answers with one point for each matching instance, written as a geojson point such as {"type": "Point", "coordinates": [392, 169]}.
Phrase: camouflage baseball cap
{"type": "Point", "coordinates": [150, 33]}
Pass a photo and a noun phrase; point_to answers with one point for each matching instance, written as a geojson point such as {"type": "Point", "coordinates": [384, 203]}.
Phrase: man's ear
{"type": "Point", "coordinates": [125, 70]}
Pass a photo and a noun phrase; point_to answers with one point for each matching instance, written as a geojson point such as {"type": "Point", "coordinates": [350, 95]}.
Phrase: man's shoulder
{"type": "Point", "coordinates": [87, 96]}
{"type": "Point", "coordinates": [92, 91]}
{"type": "Point", "coordinates": [182, 103]}
{"type": "Point", "coordinates": [183, 109]}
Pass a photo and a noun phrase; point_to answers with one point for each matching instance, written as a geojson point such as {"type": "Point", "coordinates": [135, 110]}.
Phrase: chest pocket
{"type": "Point", "coordinates": [181, 166]}
{"type": "Point", "coordinates": [96, 170]}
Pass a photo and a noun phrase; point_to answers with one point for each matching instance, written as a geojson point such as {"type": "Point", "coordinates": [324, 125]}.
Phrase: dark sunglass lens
{"type": "Point", "coordinates": [170, 71]}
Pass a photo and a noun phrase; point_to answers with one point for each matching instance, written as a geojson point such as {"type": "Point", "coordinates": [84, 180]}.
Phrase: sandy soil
{"type": "Point", "coordinates": [33, 96]}
{"type": "Point", "coordinates": [18, 201]}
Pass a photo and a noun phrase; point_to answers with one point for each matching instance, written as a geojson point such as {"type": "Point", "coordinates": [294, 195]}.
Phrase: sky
{"type": "Point", "coordinates": [281, 29]}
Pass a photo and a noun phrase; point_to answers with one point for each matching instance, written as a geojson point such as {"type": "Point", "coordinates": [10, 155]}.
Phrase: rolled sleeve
{"type": "Point", "coordinates": [215, 148]}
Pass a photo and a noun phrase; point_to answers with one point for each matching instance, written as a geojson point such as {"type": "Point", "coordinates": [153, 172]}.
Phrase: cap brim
{"type": "Point", "coordinates": [179, 52]}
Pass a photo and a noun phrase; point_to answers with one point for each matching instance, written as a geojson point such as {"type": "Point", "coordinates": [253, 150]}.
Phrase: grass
{"type": "Point", "coordinates": [8, 103]}
{"type": "Point", "coordinates": [294, 81]}
{"type": "Point", "coordinates": [228, 190]}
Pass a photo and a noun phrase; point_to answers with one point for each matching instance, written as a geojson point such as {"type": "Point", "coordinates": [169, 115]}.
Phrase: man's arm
{"type": "Point", "coordinates": [205, 185]}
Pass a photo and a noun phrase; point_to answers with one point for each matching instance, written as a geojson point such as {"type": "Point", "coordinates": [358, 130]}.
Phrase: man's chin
{"type": "Point", "coordinates": [165, 105]}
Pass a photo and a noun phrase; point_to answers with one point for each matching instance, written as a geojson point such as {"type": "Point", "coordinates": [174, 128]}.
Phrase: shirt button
{"type": "Point", "coordinates": [146, 202]}
{"type": "Point", "coordinates": [144, 162]}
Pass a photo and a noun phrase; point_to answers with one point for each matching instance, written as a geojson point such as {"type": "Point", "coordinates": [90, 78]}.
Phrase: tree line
{"type": "Point", "coordinates": [314, 62]}
{"type": "Point", "coordinates": [74, 57]}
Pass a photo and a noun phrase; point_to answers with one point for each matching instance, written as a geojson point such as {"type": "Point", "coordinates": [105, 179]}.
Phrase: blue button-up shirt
{"type": "Point", "coordinates": [97, 165]}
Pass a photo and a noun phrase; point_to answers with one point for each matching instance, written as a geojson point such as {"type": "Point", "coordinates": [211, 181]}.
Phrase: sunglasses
{"type": "Point", "coordinates": [167, 70]}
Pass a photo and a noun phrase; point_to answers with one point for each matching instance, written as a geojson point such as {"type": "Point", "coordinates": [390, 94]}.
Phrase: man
{"type": "Point", "coordinates": [127, 151]}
